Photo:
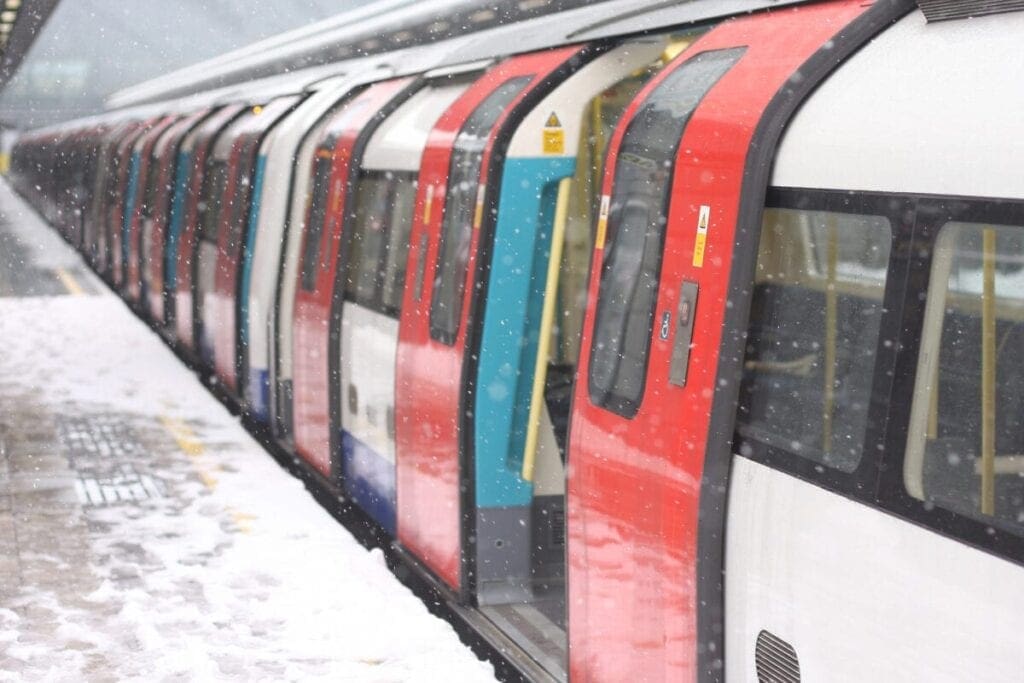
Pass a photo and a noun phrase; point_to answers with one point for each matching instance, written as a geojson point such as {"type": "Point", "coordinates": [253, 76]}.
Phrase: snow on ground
{"type": "Point", "coordinates": [221, 567]}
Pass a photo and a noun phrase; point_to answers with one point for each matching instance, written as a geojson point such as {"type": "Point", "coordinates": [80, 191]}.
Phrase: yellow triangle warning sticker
{"type": "Point", "coordinates": [553, 121]}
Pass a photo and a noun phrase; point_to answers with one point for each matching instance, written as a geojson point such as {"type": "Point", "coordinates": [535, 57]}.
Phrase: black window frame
{"type": "Point", "coordinates": [932, 213]}
{"type": "Point", "coordinates": [859, 482]}
{"type": "Point", "coordinates": [878, 482]}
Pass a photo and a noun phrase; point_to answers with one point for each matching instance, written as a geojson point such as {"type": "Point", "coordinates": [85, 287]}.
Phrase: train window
{"type": "Point", "coordinates": [363, 276]}
{"type": "Point", "coordinates": [316, 215]}
{"type": "Point", "coordinates": [380, 240]}
{"type": "Point", "coordinates": [216, 184]}
{"type": "Point", "coordinates": [813, 335]}
{"type": "Point", "coordinates": [403, 199]}
{"type": "Point", "coordinates": [965, 450]}
{"type": "Point", "coordinates": [242, 196]}
{"type": "Point", "coordinates": [636, 228]}
{"type": "Point", "coordinates": [152, 181]}
{"type": "Point", "coordinates": [460, 206]}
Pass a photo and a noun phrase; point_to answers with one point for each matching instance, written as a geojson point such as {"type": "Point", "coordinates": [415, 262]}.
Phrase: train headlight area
{"type": "Point", "coordinates": [660, 342]}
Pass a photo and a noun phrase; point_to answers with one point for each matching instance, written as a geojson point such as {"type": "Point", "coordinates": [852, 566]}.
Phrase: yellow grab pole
{"type": "Point", "coordinates": [988, 373]}
{"type": "Point", "coordinates": [831, 306]}
{"type": "Point", "coordinates": [547, 321]}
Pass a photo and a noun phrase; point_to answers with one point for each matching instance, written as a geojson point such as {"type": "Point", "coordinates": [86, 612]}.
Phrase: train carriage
{"type": "Point", "coordinates": [665, 342]}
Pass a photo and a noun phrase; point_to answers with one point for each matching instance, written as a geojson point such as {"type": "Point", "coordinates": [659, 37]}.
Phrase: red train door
{"type": "Point", "coordinates": [344, 138]}
{"type": "Point", "coordinates": [455, 175]}
{"type": "Point", "coordinates": [195, 149]}
{"type": "Point", "coordinates": [678, 167]}
{"type": "Point", "coordinates": [141, 210]}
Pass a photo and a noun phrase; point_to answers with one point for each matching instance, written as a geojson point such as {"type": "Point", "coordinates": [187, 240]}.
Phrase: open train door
{"type": "Point", "coordinates": [647, 467]}
{"type": "Point", "coordinates": [459, 178]}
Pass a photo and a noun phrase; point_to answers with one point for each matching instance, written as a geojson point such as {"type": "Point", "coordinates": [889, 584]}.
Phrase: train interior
{"type": "Point", "coordinates": [966, 447]}
{"type": "Point", "coordinates": [814, 328]}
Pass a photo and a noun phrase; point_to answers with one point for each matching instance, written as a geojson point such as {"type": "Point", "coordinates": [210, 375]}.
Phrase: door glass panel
{"type": "Point", "coordinates": [364, 274]}
{"type": "Point", "coordinates": [403, 199]}
{"type": "Point", "coordinates": [216, 183]}
{"type": "Point", "coordinates": [637, 219]}
{"type": "Point", "coordinates": [316, 214]}
{"type": "Point", "coordinates": [813, 335]}
{"type": "Point", "coordinates": [966, 439]}
{"type": "Point", "coordinates": [242, 196]}
{"type": "Point", "coordinates": [460, 205]}
{"type": "Point", "coordinates": [152, 181]}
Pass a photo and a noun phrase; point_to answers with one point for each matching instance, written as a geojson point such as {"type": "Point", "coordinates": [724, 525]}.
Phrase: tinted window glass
{"type": "Point", "coordinates": [380, 240]}
{"type": "Point", "coordinates": [209, 209]}
{"type": "Point", "coordinates": [242, 196]}
{"type": "Point", "coordinates": [966, 435]}
{"type": "Point", "coordinates": [403, 199]}
{"type": "Point", "coordinates": [460, 206]}
{"type": "Point", "coordinates": [316, 214]}
{"type": "Point", "coordinates": [363, 277]}
{"type": "Point", "coordinates": [813, 335]}
{"type": "Point", "coordinates": [637, 217]}
{"type": "Point", "coordinates": [152, 181]}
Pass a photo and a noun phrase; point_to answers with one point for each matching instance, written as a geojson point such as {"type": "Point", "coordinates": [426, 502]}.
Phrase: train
{"type": "Point", "coordinates": [675, 340]}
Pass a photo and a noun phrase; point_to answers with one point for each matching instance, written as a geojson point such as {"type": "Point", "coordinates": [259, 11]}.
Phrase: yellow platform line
{"type": "Point", "coordinates": [70, 284]}
{"type": "Point", "coordinates": [191, 446]}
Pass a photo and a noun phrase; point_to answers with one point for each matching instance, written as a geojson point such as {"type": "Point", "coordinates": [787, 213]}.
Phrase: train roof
{"type": "Point", "coordinates": [925, 108]}
{"type": "Point", "coordinates": [404, 39]}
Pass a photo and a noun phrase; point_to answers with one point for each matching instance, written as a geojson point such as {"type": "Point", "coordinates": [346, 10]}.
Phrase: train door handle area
{"type": "Point", "coordinates": [683, 334]}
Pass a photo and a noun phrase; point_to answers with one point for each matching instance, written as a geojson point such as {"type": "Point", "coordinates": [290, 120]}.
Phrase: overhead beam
{"type": "Point", "coordinates": [25, 19]}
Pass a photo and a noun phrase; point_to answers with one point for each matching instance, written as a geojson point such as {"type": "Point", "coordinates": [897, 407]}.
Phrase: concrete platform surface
{"type": "Point", "coordinates": [144, 535]}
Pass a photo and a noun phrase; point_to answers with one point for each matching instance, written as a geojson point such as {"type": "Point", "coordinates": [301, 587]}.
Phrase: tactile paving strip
{"type": "Point", "coordinates": [104, 451]}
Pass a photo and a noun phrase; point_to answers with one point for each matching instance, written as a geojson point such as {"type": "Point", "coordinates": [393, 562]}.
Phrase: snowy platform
{"type": "Point", "coordinates": [144, 535]}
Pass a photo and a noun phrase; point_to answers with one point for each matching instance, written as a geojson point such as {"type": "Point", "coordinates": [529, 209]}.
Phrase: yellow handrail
{"type": "Point", "coordinates": [547, 321]}
{"type": "Point", "coordinates": [988, 373]}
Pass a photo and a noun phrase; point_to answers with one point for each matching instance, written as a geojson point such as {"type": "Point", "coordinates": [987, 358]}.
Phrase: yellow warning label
{"type": "Point", "coordinates": [702, 236]}
{"type": "Point", "coordinates": [602, 223]}
{"type": "Point", "coordinates": [553, 121]}
{"type": "Point", "coordinates": [428, 202]}
{"type": "Point", "coordinates": [554, 141]}
{"type": "Point", "coordinates": [478, 215]}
